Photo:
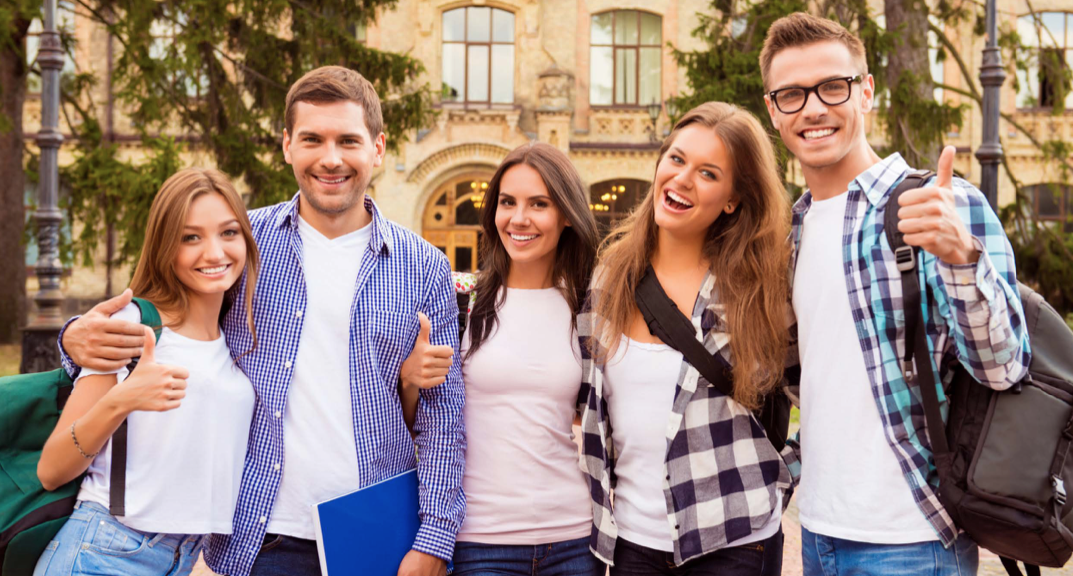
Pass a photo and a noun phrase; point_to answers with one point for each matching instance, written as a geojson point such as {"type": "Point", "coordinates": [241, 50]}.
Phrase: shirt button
{"type": "Point", "coordinates": [262, 519]}
{"type": "Point", "coordinates": [278, 413]}
{"type": "Point", "coordinates": [287, 364]}
{"type": "Point", "coordinates": [275, 466]}
{"type": "Point", "coordinates": [298, 313]}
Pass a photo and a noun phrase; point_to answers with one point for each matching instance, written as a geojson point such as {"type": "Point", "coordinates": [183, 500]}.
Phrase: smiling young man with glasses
{"type": "Point", "coordinates": [867, 490]}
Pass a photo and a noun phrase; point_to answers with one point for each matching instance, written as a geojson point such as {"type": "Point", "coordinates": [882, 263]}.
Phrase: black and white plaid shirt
{"type": "Point", "coordinates": [721, 472]}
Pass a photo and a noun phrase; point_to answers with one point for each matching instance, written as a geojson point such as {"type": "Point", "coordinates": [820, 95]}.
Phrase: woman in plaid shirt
{"type": "Point", "coordinates": [698, 486]}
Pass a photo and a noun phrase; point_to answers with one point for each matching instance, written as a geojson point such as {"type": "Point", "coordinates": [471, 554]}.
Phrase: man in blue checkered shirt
{"type": "Point", "coordinates": [336, 309]}
{"type": "Point", "coordinates": [867, 490]}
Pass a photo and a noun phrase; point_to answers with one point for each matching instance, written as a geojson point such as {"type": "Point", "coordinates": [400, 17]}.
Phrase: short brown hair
{"type": "Point", "coordinates": [329, 84]}
{"type": "Point", "coordinates": [802, 29]}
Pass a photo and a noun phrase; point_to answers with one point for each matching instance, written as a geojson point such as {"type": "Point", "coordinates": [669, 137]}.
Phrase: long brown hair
{"type": "Point", "coordinates": [575, 254]}
{"type": "Point", "coordinates": [747, 251]}
{"type": "Point", "coordinates": [154, 277]}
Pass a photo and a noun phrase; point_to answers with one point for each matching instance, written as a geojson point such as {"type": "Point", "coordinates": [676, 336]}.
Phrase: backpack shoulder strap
{"type": "Point", "coordinates": [666, 322]}
{"type": "Point", "coordinates": [916, 365]}
{"type": "Point", "coordinates": [117, 483]}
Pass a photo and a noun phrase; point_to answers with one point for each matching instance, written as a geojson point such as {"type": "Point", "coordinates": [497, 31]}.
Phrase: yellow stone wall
{"type": "Point", "coordinates": [551, 104]}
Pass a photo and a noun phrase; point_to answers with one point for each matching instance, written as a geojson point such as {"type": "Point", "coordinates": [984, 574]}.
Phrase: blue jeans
{"type": "Point", "coordinates": [568, 558]}
{"type": "Point", "coordinates": [286, 556]}
{"type": "Point", "coordinates": [763, 558]}
{"type": "Point", "coordinates": [92, 541]}
{"type": "Point", "coordinates": [827, 556]}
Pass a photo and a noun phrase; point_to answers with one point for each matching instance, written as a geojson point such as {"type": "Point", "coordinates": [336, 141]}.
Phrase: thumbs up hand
{"type": "Point", "coordinates": [151, 386]}
{"type": "Point", "coordinates": [427, 365]}
{"type": "Point", "coordinates": [928, 217]}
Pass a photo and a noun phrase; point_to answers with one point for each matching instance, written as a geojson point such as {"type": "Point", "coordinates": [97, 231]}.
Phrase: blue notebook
{"type": "Point", "coordinates": [367, 532]}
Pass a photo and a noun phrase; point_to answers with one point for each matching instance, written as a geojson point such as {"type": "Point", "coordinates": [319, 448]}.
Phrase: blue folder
{"type": "Point", "coordinates": [367, 532]}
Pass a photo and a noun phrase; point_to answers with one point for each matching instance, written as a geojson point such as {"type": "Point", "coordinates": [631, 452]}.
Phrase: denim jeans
{"type": "Point", "coordinates": [92, 541]}
{"type": "Point", "coordinates": [286, 556]}
{"type": "Point", "coordinates": [827, 556]}
{"type": "Point", "coordinates": [567, 558]}
{"type": "Point", "coordinates": [763, 558]}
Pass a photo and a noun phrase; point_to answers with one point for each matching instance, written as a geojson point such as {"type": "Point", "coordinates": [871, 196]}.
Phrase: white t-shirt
{"type": "Point", "coordinates": [320, 456]}
{"type": "Point", "coordinates": [183, 465]}
{"type": "Point", "coordinates": [522, 481]}
{"type": "Point", "coordinates": [639, 386]}
{"type": "Point", "coordinates": [851, 484]}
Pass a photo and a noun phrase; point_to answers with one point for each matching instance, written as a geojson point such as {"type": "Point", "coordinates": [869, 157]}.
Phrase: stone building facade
{"type": "Point", "coordinates": [581, 75]}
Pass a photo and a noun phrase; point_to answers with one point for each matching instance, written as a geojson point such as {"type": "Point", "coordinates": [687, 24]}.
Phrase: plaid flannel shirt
{"type": "Point", "coordinates": [973, 316]}
{"type": "Point", "coordinates": [721, 472]}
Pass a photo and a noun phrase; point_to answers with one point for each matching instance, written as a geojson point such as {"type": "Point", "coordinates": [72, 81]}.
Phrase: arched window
{"type": "Point", "coordinates": [626, 48]}
{"type": "Point", "coordinates": [1049, 36]}
{"type": "Point", "coordinates": [452, 219]}
{"type": "Point", "coordinates": [1053, 203]}
{"type": "Point", "coordinates": [612, 200]}
{"type": "Point", "coordinates": [478, 56]}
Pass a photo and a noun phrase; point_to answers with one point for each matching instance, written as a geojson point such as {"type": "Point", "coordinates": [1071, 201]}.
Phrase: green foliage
{"type": "Point", "coordinates": [224, 69]}
{"type": "Point", "coordinates": [105, 192]}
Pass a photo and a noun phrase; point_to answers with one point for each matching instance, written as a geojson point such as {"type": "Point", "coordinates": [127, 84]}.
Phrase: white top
{"type": "Point", "coordinates": [183, 465]}
{"type": "Point", "coordinates": [321, 460]}
{"type": "Point", "coordinates": [851, 485]}
{"type": "Point", "coordinates": [522, 481]}
{"type": "Point", "coordinates": [639, 385]}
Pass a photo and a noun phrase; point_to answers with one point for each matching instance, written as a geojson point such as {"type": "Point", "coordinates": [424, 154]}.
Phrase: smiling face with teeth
{"type": "Point", "coordinates": [693, 184]}
{"type": "Point", "coordinates": [828, 141]}
{"type": "Point", "coordinates": [528, 221]}
{"type": "Point", "coordinates": [212, 249]}
{"type": "Point", "coordinates": [333, 156]}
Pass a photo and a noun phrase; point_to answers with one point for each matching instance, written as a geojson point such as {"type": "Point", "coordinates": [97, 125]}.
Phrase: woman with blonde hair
{"type": "Point", "coordinates": [698, 487]}
{"type": "Point", "coordinates": [186, 404]}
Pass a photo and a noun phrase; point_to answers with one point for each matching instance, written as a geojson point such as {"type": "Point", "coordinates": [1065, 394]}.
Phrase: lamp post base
{"type": "Point", "coordinates": [39, 352]}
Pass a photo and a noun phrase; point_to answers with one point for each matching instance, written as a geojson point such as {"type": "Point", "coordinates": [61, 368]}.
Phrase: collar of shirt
{"type": "Point", "coordinates": [381, 238]}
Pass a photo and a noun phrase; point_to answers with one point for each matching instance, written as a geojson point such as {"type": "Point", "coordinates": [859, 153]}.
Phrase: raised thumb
{"type": "Point", "coordinates": [426, 328]}
{"type": "Point", "coordinates": [149, 348]}
{"type": "Point", "coordinates": [115, 303]}
{"type": "Point", "coordinates": [945, 173]}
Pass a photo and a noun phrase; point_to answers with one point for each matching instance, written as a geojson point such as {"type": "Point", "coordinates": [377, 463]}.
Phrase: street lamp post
{"type": "Point", "coordinates": [39, 337]}
{"type": "Point", "coordinates": [992, 76]}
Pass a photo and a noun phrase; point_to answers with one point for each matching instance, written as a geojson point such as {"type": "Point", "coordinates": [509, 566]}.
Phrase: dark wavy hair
{"type": "Point", "coordinates": [575, 255]}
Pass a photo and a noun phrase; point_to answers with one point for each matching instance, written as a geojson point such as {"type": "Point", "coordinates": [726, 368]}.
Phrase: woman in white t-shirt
{"type": "Point", "coordinates": [527, 505]}
{"type": "Point", "coordinates": [187, 405]}
{"type": "Point", "coordinates": [698, 487]}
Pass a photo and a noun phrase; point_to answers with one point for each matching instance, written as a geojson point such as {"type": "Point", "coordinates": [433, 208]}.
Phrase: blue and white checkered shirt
{"type": "Point", "coordinates": [974, 317]}
{"type": "Point", "coordinates": [400, 274]}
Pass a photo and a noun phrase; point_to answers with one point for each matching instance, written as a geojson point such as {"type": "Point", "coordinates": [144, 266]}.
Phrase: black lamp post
{"type": "Point", "coordinates": [39, 337]}
{"type": "Point", "coordinates": [653, 109]}
{"type": "Point", "coordinates": [992, 76]}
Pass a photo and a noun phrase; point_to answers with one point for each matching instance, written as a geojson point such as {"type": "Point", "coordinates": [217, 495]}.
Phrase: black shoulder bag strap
{"type": "Point", "coordinates": [916, 364]}
{"type": "Point", "coordinates": [117, 483]}
{"type": "Point", "coordinates": [666, 322]}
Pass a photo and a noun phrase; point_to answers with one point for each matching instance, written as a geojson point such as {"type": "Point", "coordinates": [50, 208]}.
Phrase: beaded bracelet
{"type": "Point", "coordinates": [79, 446]}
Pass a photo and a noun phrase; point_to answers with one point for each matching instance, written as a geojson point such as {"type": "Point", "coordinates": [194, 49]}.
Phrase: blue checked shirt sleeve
{"type": "Point", "coordinates": [985, 316]}
{"type": "Point", "coordinates": [441, 440]}
{"type": "Point", "coordinates": [73, 370]}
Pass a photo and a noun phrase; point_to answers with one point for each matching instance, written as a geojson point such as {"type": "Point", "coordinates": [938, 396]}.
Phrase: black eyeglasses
{"type": "Point", "coordinates": [831, 92]}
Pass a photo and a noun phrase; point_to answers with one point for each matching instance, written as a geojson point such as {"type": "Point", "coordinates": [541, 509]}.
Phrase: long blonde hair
{"type": "Point", "coordinates": [154, 277]}
{"type": "Point", "coordinates": [747, 250]}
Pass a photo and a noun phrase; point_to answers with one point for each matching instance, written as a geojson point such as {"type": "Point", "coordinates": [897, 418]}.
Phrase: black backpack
{"type": "Point", "coordinates": [1003, 459]}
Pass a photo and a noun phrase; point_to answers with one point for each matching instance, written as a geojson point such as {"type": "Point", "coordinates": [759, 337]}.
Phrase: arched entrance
{"type": "Point", "coordinates": [451, 220]}
{"type": "Point", "coordinates": [612, 200]}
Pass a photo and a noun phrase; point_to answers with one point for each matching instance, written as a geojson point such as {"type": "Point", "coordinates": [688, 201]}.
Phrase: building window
{"type": "Point", "coordinates": [478, 56]}
{"type": "Point", "coordinates": [452, 220]}
{"type": "Point", "coordinates": [164, 32]}
{"type": "Point", "coordinates": [612, 200]}
{"type": "Point", "coordinates": [1053, 203]}
{"type": "Point", "coordinates": [625, 55]}
{"type": "Point", "coordinates": [1049, 38]}
{"type": "Point", "coordinates": [65, 25]}
{"type": "Point", "coordinates": [360, 32]}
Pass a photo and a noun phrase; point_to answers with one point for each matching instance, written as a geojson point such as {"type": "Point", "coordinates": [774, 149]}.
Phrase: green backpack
{"type": "Point", "coordinates": [30, 516]}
